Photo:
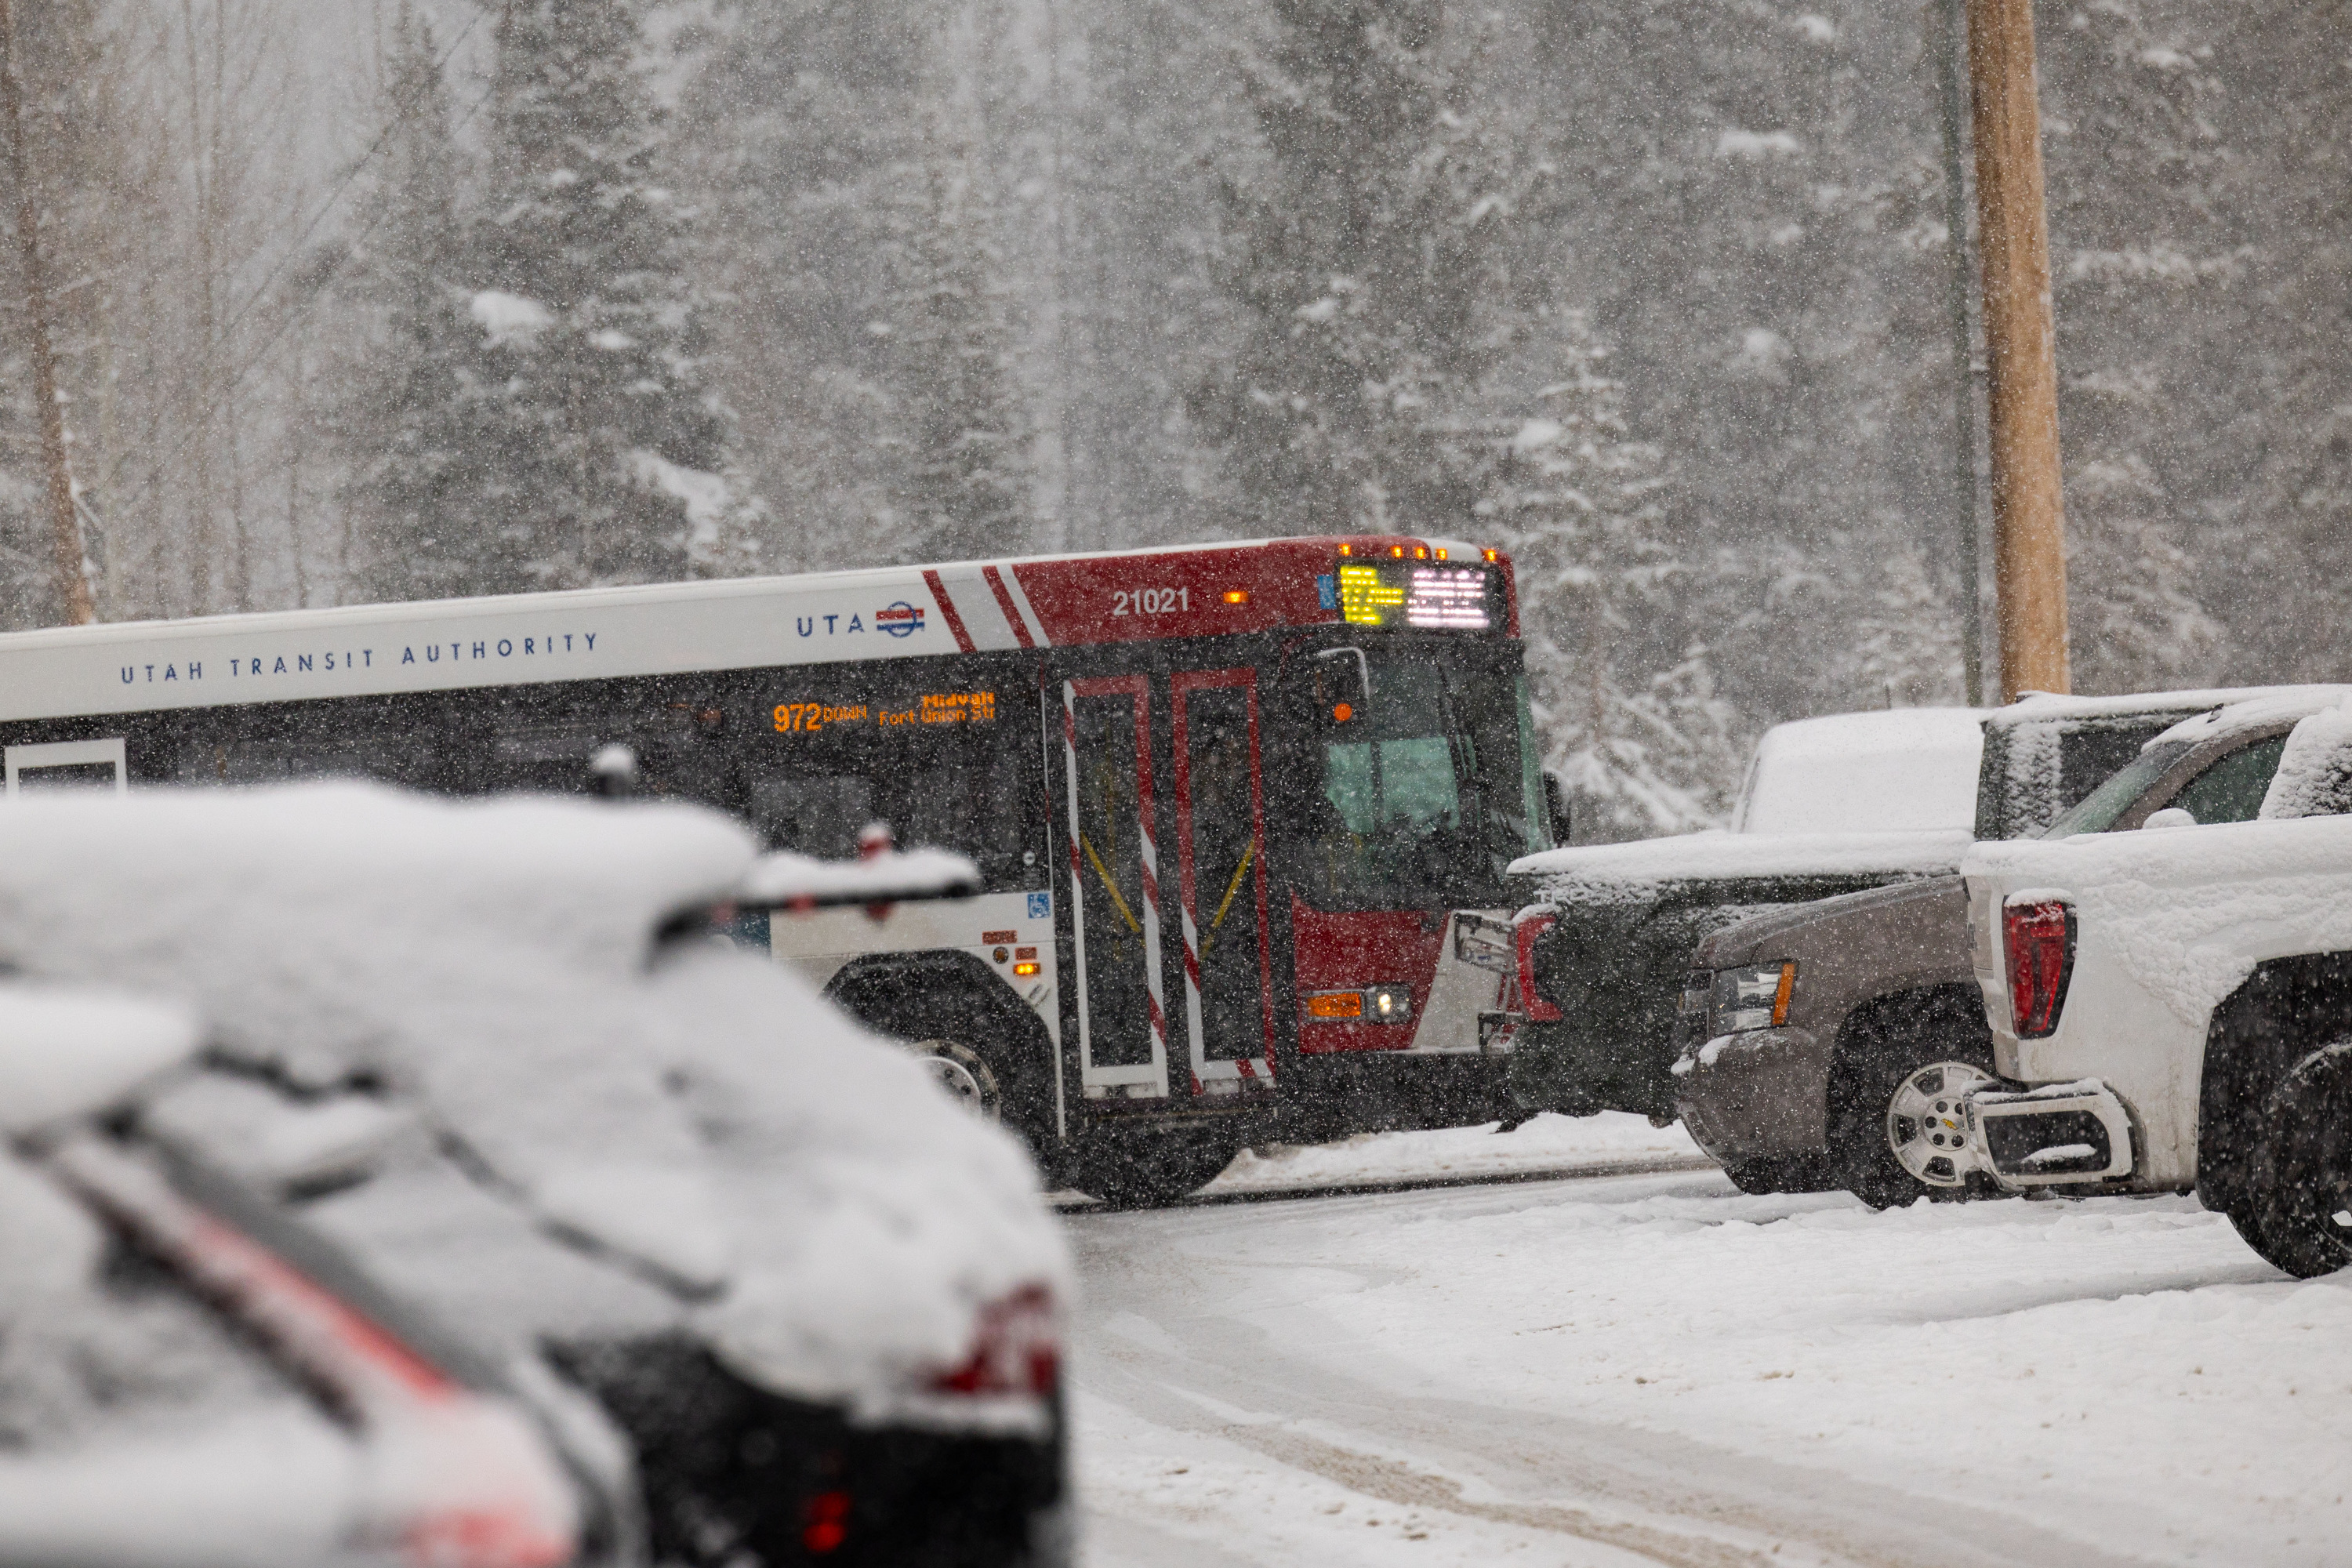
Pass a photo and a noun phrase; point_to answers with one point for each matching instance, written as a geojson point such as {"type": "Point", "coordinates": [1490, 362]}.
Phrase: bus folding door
{"type": "Point", "coordinates": [1115, 888]}
{"type": "Point", "coordinates": [1221, 881]}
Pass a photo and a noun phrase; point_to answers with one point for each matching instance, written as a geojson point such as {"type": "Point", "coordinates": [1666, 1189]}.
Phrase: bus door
{"type": "Point", "coordinates": [1115, 888]}
{"type": "Point", "coordinates": [1221, 881]}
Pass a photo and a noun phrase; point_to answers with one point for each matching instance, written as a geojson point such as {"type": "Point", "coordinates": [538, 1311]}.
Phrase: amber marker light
{"type": "Point", "coordinates": [1441, 552]}
{"type": "Point", "coordinates": [1025, 969]}
{"type": "Point", "coordinates": [1491, 555]}
{"type": "Point", "coordinates": [1335, 1004]}
{"type": "Point", "coordinates": [1342, 712]}
{"type": "Point", "coordinates": [1347, 549]}
{"type": "Point", "coordinates": [1397, 550]}
{"type": "Point", "coordinates": [1421, 553]}
{"type": "Point", "coordinates": [1238, 595]}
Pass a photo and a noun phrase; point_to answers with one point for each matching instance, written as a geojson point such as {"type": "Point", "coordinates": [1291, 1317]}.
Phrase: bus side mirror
{"type": "Point", "coordinates": [1556, 807]}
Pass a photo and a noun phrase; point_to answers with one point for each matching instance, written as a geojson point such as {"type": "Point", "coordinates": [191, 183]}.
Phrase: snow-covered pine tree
{"type": "Point", "coordinates": [593, 454]}
{"type": "Point", "coordinates": [1625, 693]}
{"type": "Point", "coordinates": [966, 482]}
{"type": "Point", "coordinates": [398, 419]}
{"type": "Point", "coordinates": [1364, 237]}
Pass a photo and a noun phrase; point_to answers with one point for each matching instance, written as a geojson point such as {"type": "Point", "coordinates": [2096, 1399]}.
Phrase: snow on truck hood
{"type": "Point", "coordinates": [712, 1121]}
{"type": "Point", "coordinates": [1691, 856]}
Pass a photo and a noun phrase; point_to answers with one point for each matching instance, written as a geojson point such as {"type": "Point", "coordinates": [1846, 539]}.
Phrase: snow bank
{"type": "Point", "coordinates": [1544, 1144]}
{"type": "Point", "coordinates": [712, 1121]}
{"type": "Point", "coordinates": [1901, 769]}
{"type": "Point", "coordinates": [1691, 856]}
{"type": "Point", "coordinates": [2189, 911]}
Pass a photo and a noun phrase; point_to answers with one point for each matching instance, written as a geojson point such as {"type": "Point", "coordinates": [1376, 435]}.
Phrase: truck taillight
{"type": "Point", "coordinates": [1523, 937]}
{"type": "Point", "coordinates": [1016, 1349]}
{"type": "Point", "coordinates": [2039, 937]}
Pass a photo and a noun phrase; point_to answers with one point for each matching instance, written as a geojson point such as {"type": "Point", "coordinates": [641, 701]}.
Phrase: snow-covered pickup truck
{"type": "Point", "coordinates": [1872, 996]}
{"type": "Point", "coordinates": [2172, 1008]}
{"type": "Point", "coordinates": [1829, 807]}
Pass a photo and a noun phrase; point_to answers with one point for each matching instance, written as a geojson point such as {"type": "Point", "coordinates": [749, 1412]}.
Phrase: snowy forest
{"type": "Point", "coordinates": [362, 299]}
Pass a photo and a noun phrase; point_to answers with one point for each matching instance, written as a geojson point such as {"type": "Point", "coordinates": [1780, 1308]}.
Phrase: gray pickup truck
{"type": "Point", "coordinates": [1830, 1045]}
{"type": "Point", "coordinates": [1831, 806]}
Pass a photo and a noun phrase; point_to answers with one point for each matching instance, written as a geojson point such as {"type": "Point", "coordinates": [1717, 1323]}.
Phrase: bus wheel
{"type": "Point", "coordinates": [1143, 1167]}
{"type": "Point", "coordinates": [967, 1078]}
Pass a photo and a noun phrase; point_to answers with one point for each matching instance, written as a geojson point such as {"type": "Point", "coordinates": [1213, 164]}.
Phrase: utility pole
{"type": "Point", "coordinates": [2029, 510]}
{"type": "Point", "coordinates": [71, 560]}
{"type": "Point", "coordinates": [1951, 102]}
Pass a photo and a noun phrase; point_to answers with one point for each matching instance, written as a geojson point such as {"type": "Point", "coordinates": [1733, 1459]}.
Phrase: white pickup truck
{"type": "Point", "coordinates": [2171, 1008]}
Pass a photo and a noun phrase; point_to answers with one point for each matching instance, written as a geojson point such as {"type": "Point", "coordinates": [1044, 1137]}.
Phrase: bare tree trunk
{"type": "Point", "coordinates": [71, 560]}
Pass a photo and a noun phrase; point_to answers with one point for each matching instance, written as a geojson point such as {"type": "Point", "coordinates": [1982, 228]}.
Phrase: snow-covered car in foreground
{"type": "Point", "coordinates": [2172, 1008]}
{"type": "Point", "coordinates": [190, 1376]}
{"type": "Point", "coordinates": [819, 1299]}
{"type": "Point", "coordinates": [1802, 1031]}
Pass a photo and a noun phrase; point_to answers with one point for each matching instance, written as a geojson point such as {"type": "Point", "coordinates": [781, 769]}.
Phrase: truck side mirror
{"type": "Point", "coordinates": [1556, 807]}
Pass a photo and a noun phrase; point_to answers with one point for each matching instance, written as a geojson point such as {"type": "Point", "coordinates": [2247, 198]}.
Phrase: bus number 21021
{"type": "Point", "coordinates": [1151, 601]}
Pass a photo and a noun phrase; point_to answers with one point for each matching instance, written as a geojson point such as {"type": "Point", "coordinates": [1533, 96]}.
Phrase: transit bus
{"type": "Point", "coordinates": [1241, 811]}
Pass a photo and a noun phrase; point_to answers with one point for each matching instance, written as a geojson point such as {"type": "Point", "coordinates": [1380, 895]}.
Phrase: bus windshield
{"type": "Point", "coordinates": [1426, 780]}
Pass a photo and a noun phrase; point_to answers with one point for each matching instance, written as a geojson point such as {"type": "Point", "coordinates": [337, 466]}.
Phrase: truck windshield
{"type": "Point", "coordinates": [1427, 783]}
{"type": "Point", "coordinates": [2097, 812]}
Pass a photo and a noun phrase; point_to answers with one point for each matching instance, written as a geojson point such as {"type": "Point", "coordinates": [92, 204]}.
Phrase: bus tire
{"type": "Point", "coordinates": [1145, 1167]}
{"type": "Point", "coordinates": [2303, 1169]}
{"type": "Point", "coordinates": [976, 1037]}
{"type": "Point", "coordinates": [965, 1075]}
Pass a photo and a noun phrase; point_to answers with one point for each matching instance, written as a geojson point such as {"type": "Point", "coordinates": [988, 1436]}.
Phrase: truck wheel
{"type": "Point", "coordinates": [1144, 1167]}
{"type": "Point", "coordinates": [1894, 1119]}
{"type": "Point", "coordinates": [2301, 1199]}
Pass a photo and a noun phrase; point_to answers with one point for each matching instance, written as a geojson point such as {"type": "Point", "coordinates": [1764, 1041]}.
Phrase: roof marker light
{"type": "Point", "coordinates": [1421, 553]}
{"type": "Point", "coordinates": [1347, 549]}
{"type": "Point", "coordinates": [1397, 550]}
{"type": "Point", "coordinates": [1491, 553]}
{"type": "Point", "coordinates": [1238, 595]}
{"type": "Point", "coordinates": [1441, 552]}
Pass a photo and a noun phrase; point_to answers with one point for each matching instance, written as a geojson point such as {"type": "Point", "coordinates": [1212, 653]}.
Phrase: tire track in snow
{"type": "Point", "coordinates": [1166, 1333]}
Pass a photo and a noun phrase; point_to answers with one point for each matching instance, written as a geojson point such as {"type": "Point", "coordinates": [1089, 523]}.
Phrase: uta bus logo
{"type": "Point", "coordinates": [900, 620]}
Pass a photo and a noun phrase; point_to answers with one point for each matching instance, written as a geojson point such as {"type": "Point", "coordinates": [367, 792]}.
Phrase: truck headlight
{"type": "Point", "coordinates": [1743, 999]}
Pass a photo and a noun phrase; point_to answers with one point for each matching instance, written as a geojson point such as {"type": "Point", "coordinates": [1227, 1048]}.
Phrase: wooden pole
{"type": "Point", "coordinates": [1948, 26]}
{"type": "Point", "coordinates": [69, 558]}
{"type": "Point", "coordinates": [2029, 509]}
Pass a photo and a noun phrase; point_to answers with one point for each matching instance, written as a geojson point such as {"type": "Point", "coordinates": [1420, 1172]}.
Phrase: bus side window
{"type": "Point", "coordinates": [813, 814]}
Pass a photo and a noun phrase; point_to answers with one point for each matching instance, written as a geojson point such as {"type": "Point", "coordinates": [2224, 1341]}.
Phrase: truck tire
{"type": "Point", "coordinates": [2298, 1212]}
{"type": "Point", "coordinates": [1893, 1098]}
{"type": "Point", "coordinates": [1147, 1166]}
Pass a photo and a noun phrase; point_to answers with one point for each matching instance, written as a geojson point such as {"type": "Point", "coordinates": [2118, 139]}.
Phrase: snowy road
{"type": "Point", "coordinates": [1654, 1368]}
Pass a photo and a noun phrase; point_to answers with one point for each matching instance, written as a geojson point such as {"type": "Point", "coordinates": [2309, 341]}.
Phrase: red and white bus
{"type": "Point", "coordinates": [1241, 811]}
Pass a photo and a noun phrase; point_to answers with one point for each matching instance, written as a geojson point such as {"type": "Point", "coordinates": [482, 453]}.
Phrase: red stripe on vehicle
{"type": "Point", "coordinates": [1005, 603]}
{"type": "Point", "coordinates": [946, 609]}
